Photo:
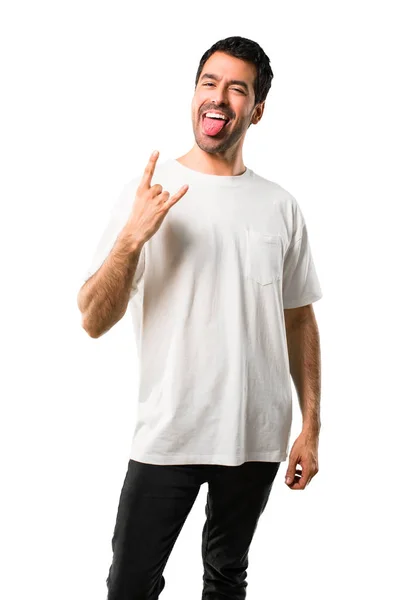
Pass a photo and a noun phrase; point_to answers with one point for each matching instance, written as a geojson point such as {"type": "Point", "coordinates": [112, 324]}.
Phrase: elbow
{"type": "Point", "coordinates": [96, 333]}
{"type": "Point", "coordinates": [89, 331]}
{"type": "Point", "coordinates": [92, 334]}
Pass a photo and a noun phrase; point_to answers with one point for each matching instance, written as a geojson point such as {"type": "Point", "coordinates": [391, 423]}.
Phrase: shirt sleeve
{"type": "Point", "coordinates": [117, 218]}
{"type": "Point", "coordinates": [300, 284]}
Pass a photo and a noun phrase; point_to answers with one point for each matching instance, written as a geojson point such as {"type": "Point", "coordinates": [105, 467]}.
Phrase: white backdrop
{"type": "Point", "coordinates": [89, 89]}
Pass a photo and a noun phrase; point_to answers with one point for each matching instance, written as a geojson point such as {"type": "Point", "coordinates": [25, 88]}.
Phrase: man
{"type": "Point", "coordinates": [220, 281]}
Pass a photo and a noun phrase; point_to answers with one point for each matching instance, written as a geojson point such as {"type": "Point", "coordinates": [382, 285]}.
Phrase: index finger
{"type": "Point", "coordinates": [149, 171]}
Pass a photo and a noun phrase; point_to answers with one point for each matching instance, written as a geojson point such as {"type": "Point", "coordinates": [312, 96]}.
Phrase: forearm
{"type": "Point", "coordinates": [305, 368]}
{"type": "Point", "coordinates": [104, 297]}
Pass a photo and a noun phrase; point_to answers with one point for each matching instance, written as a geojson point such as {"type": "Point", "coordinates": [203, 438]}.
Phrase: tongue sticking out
{"type": "Point", "coordinates": [212, 126]}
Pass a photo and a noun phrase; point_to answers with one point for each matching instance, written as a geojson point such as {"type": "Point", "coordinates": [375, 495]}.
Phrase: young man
{"type": "Point", "coordinates": [220, 281]}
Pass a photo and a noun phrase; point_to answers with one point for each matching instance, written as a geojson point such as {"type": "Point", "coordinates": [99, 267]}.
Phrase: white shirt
{"type": "Point", "coordinates": [207, 304]}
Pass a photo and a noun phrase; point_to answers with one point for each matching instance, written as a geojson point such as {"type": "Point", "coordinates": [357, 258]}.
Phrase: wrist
{"type": "Point", "coordinates": [133, 239]}
{"type": "Point", "coordinates": [311, 429]}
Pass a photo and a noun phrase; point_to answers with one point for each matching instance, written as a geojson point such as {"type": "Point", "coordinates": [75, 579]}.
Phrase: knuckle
{"type": "Point", "coordinates": [157, 188]}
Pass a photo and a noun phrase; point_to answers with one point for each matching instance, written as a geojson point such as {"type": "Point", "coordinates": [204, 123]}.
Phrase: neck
{"type": "Point", "coordinates": [212, 164]}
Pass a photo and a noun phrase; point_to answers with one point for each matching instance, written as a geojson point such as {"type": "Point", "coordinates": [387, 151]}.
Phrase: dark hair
{"type": "Point", "coordinates": [245, 49]}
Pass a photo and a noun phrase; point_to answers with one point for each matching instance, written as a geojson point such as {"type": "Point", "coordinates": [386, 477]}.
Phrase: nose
{"type": "Point", "coordinates": [219, 95]}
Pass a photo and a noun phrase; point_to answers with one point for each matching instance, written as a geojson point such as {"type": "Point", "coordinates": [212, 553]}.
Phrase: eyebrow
{"type": "Point", "coordinates": [234, 81]}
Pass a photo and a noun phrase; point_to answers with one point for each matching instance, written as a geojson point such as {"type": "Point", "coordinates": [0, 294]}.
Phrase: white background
{"type": "Point", "coordinates": [89, 89]}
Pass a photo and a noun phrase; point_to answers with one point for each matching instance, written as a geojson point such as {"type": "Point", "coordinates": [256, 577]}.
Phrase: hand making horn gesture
{"type": "Point", "coordinates": [151, 203]}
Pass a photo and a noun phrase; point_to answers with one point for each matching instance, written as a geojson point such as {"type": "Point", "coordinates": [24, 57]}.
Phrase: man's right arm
{"type": "Point", "coordinates": [104, 297]}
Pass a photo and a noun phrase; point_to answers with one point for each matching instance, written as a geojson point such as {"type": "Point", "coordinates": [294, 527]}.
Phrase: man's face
{"type": "Point", "coordinates": [216, 91]}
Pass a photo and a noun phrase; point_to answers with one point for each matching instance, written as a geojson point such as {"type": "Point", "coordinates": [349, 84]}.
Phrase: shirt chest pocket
{"type": "Point", "coordinates": [263, 257]}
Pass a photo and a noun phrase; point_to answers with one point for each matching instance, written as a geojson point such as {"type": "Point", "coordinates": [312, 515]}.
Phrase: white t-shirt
{"type": "Point", "coordinates": [207, 306]}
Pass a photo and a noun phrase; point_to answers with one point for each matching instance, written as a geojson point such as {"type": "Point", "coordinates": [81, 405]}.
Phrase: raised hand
{"type": "Point", "coordinates": [151, 204]}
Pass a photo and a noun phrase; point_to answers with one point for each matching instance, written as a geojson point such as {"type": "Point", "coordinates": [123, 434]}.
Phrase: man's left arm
{"type": "Point", "coordinates": [305, 368]}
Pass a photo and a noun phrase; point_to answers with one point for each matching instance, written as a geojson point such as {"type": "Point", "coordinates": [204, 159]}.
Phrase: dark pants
{"type": "Point", "coordinates": [154, 503]}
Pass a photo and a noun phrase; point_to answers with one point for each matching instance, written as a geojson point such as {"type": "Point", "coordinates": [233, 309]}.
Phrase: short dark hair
{"type": "Point", "coordinates": [245, 49]}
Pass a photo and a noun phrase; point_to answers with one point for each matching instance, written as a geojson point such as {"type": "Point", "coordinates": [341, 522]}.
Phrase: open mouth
{"type": "Point", "coordinates": [213, 126]}
{"type": "Point", "coordinates": [226, 121]}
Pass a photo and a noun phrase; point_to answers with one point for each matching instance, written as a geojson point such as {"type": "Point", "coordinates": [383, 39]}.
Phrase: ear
{"type": "Point", "coordinates": [258, 113]}
{"type": "Point", "coordinates": [260, 110]}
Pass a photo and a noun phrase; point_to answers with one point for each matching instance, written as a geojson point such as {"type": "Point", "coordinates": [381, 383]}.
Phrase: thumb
{"type": "Point", "coordinates": [290, 472]}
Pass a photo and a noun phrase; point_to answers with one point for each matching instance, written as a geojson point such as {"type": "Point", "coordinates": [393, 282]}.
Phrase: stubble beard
{"type": "Point", "coordinates": [213, 145]}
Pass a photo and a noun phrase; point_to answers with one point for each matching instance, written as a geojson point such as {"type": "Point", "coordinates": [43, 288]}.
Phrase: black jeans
{"type": "Point", "coordinates": [154, 504]}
